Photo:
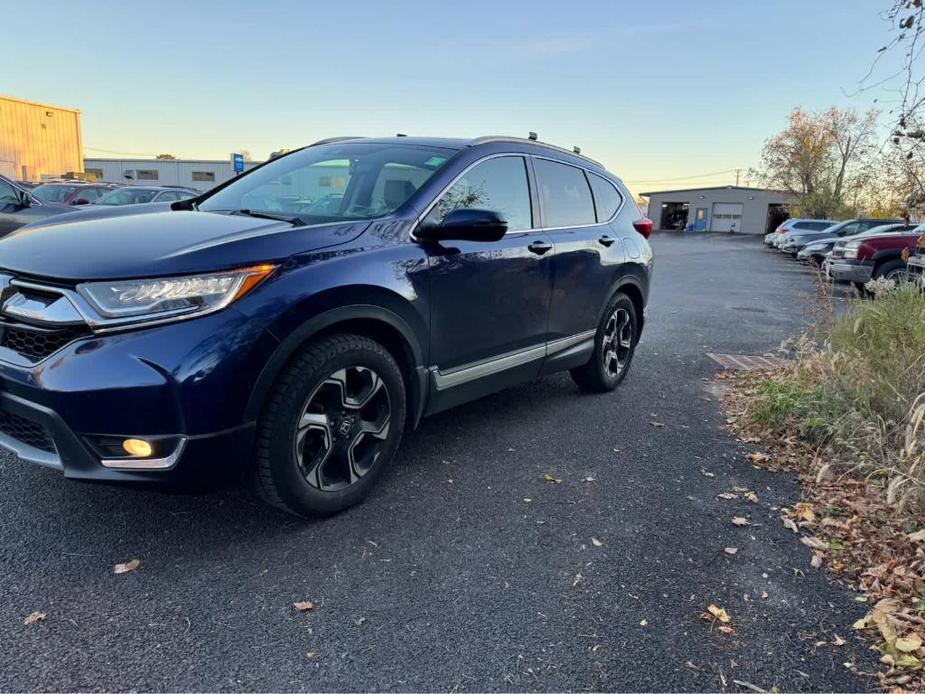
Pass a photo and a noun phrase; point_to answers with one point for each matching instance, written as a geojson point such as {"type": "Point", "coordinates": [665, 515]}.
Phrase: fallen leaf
{"type": "Point", "coordinates": [726, 629]}
{"type": "Point", "coordinates": [657, 425]}
{"type": "Point", "coordinates": [728, 495]}
{"type": "Point", "coordinates": [550, 478]}
{"type": "Point", "coordinates": [304, 606]}
{"type": "Point", "coordinates": [838, 641]}
{"type": "Point", "coordinates": [789, 524]}
{"type": "Point", "coordinates": [706, 473]}
{"type": "Point", "coordinates": [35, 617]}
{"type": "Point", "coordinates": [719, 613]}
{"type": "Point", "coordinates": [751, 496]}
{"type": "Point", "coordinates": [908, 644]}
{"type": "Point", "coordinates": [813, 542]}
{"type": "Point", "coordinates": [917, 536]}
{"type": "Point", "coordinates": [596, 542]}
{"type": "Point", "coordinates": [644, 623]}
{"type": "Point", "coordinates": [616, 450]}
{"type": "Point", "coordinates": [731, 550]}
{"type": "Point", "coordinates": [757, 457]}
{"type": "Point", "coordinates": [803, 511]}
{"type": "Point", "coordinates": [359, 621]}
{"type": "Point", "coordinates": [310, 654]}
{"type": "Point", "coordinates": [589, 478]}
{"type": "Point", "coordinates": [126, 567]}
{"type": "Point", "coordinates": [816, 561]}
{"type": "Point", "coordinates": [764, 595]}
{"type": "Point", "coordinates": [578, 579]}
{"type": "Point", "coordinates": [738, 520]}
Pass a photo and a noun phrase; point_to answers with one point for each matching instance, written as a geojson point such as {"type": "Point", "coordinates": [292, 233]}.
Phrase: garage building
{"type": "Point", "coordinates": [727, 209]}
{"type": "Point", "coordinates": [38, 141]}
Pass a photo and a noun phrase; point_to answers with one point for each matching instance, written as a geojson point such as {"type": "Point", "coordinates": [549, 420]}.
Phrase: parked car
{"type": "Point", "coordinates": [795, 240]}
{"type": "Point", "coordinates": [135, 195]}
{"type": "Point", "coordinates": [915, 266]}
{"type": "Point", "coordinates": [816, 251]}
{"type": "Point", "coordinates": [70, 193]}
{"type": "Point", "coordinates": [862, 259]}
{"type": "Point", "coordinates": [772, 239]}
{"type": "Point", "coordinates": [43, 201]}
{"type": "Point", "coordinates": [239, 336]}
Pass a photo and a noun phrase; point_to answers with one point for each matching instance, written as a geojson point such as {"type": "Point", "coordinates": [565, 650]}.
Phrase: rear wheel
{"type": "Point", "coordinates": [330, 426]}
{"type": "Point", "coordinates": [895, 270]}
{"type": "Point", "coordinates": [614, 346]}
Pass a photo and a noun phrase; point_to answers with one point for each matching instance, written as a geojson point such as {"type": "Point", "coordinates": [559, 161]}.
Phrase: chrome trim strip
{"type": "Point", "coordinates": [466, 373]}
{"type": "Point", "coordinates": [31, 454]}
{"type": "Point", "coordinates": [456, 377]}
{"type": "Point", "coordinates": [146, 463]}
{"type": "Point", "coordinates": [566, 342]}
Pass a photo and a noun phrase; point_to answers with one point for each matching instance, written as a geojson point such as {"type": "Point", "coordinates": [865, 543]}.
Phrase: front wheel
{"type": "Point", "coordinates": [614, 346]}
{"type": "Point", "coordinates": [330, 427]}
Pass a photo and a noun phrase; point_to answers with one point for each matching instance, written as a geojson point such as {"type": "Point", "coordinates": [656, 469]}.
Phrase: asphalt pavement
{"type": "Point", "coordinates": [466, 569]}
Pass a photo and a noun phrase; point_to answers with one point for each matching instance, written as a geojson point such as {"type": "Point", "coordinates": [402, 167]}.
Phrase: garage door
{"type": "Point", "coordinates": [727, 216]}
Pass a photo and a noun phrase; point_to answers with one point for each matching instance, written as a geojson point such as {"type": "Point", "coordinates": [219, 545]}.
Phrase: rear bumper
{"type": "Point", "coordinates": [853, 271]}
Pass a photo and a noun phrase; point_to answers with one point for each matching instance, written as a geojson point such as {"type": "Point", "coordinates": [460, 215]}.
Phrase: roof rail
{"type": "Point", "coordinates": [531, 141]}
{"type": "Point", "coordinates": [330, 140]}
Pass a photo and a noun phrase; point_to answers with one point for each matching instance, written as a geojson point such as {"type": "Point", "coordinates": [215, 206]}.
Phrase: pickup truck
{"type": "Point", "coordinates": [862, 259]}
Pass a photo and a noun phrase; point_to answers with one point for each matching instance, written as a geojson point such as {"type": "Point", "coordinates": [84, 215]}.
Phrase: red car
{"type": "Point", "coordinates": [863, 258]}
{"type": "Point", "coordinates": [70, 193]}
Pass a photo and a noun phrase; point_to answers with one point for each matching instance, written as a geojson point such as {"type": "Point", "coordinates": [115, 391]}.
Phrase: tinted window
{"type": "Point", "coordinates": [127, 196]}
{"type": "Point", "coordinates": [53, 193]}
{"type": "Point", "coordinates": [88, 194]}
{"type": "Point", "coordinates": [606, 198]}
{"type": "Point", "coordinates": [498, 184]}
{"type": "Point", "coordinates": [564, 194]}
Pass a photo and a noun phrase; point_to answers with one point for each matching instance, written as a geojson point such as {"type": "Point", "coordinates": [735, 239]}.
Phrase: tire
{"type": "Point", "coordinates": [606, 370]}
{"type": "Point", "coordinates": [893, 270]}
{"type": "Point", "coordinates": [331, 425]}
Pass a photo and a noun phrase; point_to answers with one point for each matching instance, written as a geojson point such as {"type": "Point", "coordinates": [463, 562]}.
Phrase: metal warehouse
{"type": "Point", "coordinates": [201, 174]}
{"type": "Point", "coordinates": [723, 208]}
{"type": "Point", "coordinates": [38, 141]}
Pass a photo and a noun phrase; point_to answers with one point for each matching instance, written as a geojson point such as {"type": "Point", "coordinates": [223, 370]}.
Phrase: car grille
{"type": "Point", "coordinates": [35, 344]}
{"type": "Point", "coordinates": [26, 431]}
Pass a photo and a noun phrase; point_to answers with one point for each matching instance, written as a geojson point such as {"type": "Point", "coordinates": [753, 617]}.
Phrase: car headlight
{"type": "Point", "coordinates": [133, 301]}
{"type": "Point", "coordinates": [851, 249]}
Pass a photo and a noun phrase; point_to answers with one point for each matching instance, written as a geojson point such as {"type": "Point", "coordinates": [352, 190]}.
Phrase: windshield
{"type": "Point", "coordinates": [332, 183]}
{"type": "Point", "coordinates": [53, 193]}
{"type": "Point", "coordinates": [127, 196]}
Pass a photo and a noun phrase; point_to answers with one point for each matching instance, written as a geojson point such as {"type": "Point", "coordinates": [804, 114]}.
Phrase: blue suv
{"type": "Point", "coordinates": [287, 326]}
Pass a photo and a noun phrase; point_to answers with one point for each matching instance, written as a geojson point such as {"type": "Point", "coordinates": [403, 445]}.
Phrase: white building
{"type": "Point", "coordinates": [719, 208]}
{"type": "Point", "coordinates": [201, 174]}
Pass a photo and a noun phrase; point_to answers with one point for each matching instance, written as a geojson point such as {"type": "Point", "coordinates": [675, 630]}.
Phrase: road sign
{"type": "Point", "coordinates": [237, 162]}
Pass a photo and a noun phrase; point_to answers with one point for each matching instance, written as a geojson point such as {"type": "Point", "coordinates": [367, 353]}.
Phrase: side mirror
{"type": "Point", "coordinates": [466, 225]}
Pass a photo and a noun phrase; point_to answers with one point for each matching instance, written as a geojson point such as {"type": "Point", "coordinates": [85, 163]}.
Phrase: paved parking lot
{"type": "Point", "coordinates": [465, 569]}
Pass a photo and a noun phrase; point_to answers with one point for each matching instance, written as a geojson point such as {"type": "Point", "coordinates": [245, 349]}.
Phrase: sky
{"type": "Point", "coordinates": [667, 94]}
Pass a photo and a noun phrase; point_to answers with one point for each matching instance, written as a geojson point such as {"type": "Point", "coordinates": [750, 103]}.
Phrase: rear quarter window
{"type": "Point", "coordinates": [607, 198]}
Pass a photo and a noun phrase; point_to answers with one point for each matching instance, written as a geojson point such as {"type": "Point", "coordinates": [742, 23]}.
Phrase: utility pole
{"type": "Point", "coordinates": [738, 171]}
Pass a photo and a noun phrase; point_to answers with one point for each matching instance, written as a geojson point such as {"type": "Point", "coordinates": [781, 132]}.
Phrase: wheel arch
{"type": "Point", "coordinates": [374, 321]}
{"type": "Point", "coordinates": [633, 287]}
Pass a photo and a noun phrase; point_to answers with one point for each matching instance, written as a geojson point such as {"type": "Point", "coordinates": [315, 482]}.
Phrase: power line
{"type": "Point", "coordinates": [685, 178]}
{"type": "Point", "coordinates": [146, 155]}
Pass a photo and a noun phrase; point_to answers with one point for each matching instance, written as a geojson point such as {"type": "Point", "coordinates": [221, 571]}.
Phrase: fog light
{"type": "Point", "coordinates": [137, 448]}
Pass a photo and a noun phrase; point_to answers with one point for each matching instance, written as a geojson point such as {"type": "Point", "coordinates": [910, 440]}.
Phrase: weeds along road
{"type": "Point", "coordinates": [466, 569]}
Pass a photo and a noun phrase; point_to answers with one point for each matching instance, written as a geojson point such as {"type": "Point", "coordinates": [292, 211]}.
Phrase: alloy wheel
{"type": "Point", "coordinates": [342, 428]}
{"type": "Point", "coordinates": [618, 342]}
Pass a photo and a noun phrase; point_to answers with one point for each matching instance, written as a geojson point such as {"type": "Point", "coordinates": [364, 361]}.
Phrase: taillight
{"type": "Point", "coordinates": [643, 226]}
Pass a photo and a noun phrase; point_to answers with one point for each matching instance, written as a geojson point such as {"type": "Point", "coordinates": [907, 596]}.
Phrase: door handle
{"type": "Point", "coordinates": [539, 247]}
{"type": "Point", "coordinates": [606, 240]}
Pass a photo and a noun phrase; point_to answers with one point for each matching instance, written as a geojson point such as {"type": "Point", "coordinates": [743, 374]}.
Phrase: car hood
{"type": "Point", "coordinates": [86, 212]}
{"type": "Point", "coordinates": [160, 243]}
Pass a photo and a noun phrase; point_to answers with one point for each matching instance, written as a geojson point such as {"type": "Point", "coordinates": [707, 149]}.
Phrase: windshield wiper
{"type": "Point", "coordinates": [269, 215]}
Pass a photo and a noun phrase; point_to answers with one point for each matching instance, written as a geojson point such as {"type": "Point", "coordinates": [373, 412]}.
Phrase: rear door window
{"type": "Point", "coordinates": [565, 196]}
{"type": "Point", "coordinates": [606, 198]}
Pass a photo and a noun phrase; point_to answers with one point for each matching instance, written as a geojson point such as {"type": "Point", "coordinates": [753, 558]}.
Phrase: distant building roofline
{"type": "Point", "coordinates": [694, 190]}
{"type": "Point", "coordinates": [178, 160]}
{"type": "Point", "coordinates": [37, 103]}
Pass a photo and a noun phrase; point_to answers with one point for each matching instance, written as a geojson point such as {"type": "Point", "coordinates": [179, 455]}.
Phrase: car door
{"type": "Point", "coordinates": [588, 254]}
{"type": "Point", "coordinates": [489, 302]}
{"type": "Point", "coordinates": [13, 214]}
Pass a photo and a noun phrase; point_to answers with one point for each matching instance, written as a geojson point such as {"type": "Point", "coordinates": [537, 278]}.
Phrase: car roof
{"type": "Point", "coordinates": [528, 145]}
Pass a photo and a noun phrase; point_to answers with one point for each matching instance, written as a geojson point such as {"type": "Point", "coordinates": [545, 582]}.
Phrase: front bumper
{"type": "Point", "coordinates": [854, 271]}
{"type": "Point", "coordinates": [188, 382]}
